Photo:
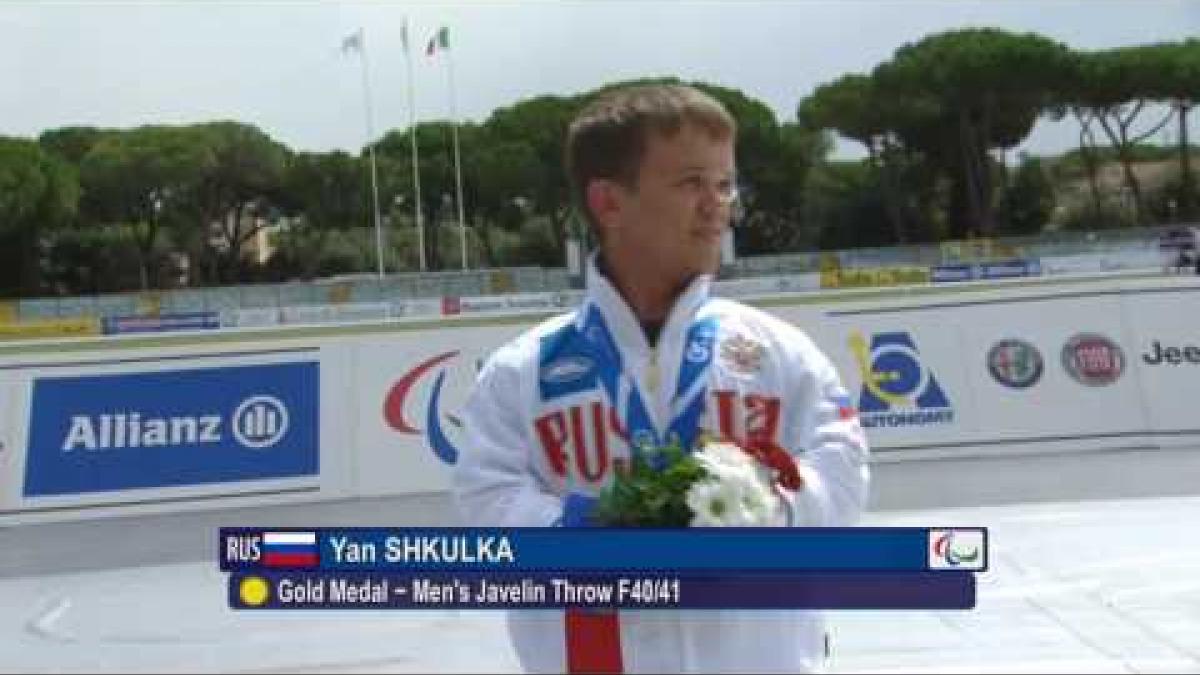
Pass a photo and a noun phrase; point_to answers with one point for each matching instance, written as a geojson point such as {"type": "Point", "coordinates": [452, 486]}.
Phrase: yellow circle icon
{"type": "Point", "coordinates": [254, 591]}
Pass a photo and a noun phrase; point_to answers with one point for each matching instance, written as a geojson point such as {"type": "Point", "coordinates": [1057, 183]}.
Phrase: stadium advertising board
{"type": "Point", "coordinates": [96, 433]}
{"type": "Point", "coordinates": [412, 388]}
{"type": "Point", "coordinates": [46, 328]}
{"type": "Point", "coordinates": [11, 440]}
{"type": "Point", "coordinates": [982, 374]}
{"type": "Point", "coordinates": [158, 323]}
{"type": "Point", "coordinates": [1163, 357]}
{"type": "Point", "coordinates": [904, 375]}
{"type": "Point", "coordinates": [1003, 269]}
{"type": "Point", "coordinates": [966, 373]}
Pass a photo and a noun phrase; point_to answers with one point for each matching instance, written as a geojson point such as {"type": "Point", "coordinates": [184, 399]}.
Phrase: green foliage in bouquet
{"type": "Point", "coordinates": [651, 492]}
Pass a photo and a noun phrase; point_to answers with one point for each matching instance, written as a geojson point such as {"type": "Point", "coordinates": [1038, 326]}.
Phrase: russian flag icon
{"type": "Point", "coordinates": [290, 549]}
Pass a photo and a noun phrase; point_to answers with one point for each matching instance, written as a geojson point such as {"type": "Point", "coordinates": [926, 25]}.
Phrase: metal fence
{"type": "Point", "coordinates": [352, 289]}
{"type": "Point", "coordinates": [1134, 241]}
{"type": "Point", "coordinates": [1139, 246]}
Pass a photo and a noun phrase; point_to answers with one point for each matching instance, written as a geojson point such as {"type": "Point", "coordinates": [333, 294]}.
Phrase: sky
{"type": "Point", "coordinates": [279, 64]}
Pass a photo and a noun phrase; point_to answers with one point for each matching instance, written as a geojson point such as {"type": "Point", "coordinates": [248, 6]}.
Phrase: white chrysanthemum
{"type": "Point", "coordinates": [713, 503]}
{"type": "Point", "coordinates": [715, 456]}
{"type": "Point", "coordinates": [736, 493]}
{"type": "Point", "coordinates": [727, 460]}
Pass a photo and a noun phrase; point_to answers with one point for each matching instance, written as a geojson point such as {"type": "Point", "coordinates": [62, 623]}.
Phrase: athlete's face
{"type": "Point", "coordinates": [672, 219]}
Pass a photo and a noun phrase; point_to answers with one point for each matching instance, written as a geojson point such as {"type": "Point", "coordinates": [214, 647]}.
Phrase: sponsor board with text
{"type": "Point", "coordinates": [96, 433]}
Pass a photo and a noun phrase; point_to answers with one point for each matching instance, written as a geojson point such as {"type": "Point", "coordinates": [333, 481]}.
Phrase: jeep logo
{"type": "Point", "coordinates": [1175, 356]}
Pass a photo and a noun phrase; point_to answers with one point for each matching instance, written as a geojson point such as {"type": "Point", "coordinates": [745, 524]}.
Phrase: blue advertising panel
{"type": "Point", "coordinates": [1010, 268]}
{"type": "Point", "coordinates": [957, 272]}
{"type": "Point", "coordinates": [116, 325]}
{"type": "Point", "coordinates": [1004, 269]}
{"type": "Point", "coordinates": [95, 433]}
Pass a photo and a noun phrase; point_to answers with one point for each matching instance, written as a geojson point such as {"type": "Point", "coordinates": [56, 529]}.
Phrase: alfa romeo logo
{"type": "Point", "coordinates": [1015, 363]}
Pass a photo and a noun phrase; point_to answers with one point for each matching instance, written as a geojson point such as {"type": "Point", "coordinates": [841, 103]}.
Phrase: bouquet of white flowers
{"type": "Point", "coordinates": [719, 485]}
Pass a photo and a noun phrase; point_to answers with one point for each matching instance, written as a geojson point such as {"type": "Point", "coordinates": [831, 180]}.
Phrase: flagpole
{"type": "Point", "coordinates": [412, 137]}
{"type": "Point", "coordinates": [462, 221]}
{"type": "Point", "coordinates": [362, 50]}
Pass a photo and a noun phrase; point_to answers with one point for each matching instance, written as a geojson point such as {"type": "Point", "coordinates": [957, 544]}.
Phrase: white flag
{"type": "Point", "coordinates": [353, 42]}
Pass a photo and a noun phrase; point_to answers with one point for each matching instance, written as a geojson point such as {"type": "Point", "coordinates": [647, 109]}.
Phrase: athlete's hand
{"type": "Point", "coordinates": [577, 510]}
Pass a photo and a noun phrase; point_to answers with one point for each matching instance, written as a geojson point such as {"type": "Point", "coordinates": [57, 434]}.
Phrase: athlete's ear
{"type": "Point", "coordinates": [604, 202]}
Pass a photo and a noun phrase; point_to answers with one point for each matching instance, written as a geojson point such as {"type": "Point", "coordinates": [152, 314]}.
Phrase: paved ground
{"type": "Point", "coordinates": [1087, 585]}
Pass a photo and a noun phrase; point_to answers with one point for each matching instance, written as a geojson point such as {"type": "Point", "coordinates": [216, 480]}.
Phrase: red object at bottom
{"type": "Point", "coordinates": [273, 559]}
{"type": "Point", "coordinates": [593, 641]}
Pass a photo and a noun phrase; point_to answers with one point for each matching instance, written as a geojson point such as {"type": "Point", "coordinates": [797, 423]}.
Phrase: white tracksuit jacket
{"type": "Point", "coordinates": [537, 416]}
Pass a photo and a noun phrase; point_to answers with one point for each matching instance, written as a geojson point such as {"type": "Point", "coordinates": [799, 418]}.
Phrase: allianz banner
{"type": "Point", "coordinates": [171, 428]}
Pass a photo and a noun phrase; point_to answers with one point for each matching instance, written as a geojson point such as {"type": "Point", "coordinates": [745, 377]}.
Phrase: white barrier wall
{"type": "Point", "coordinates": [372, 410]}
{"type": "Point", "coordinates": [987, 373]}
{"type": "Point", "coordinates": [410, 388]}
{"type": "Point", "coordinates": [13, 415]}
{"type": "Point", "coordinates": [1083, 263]}
{"type": "Point", "coordinates": [1165, 355]}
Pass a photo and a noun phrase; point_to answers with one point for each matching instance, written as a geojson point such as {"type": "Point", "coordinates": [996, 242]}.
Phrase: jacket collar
{"type": "Point", "coordinates": [625, 327]}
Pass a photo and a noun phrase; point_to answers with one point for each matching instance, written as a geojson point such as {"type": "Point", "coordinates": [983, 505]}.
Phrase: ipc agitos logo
{"type": "Point", "coordinates": [962, 549]}
{"type": "Point", "coordinates": [435, 432]}
{"type": "Point", "coordinates": [898, 390]}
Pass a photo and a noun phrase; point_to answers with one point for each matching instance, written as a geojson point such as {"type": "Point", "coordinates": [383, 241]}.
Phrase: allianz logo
{"type": "Point", "coordinates": [257, 422]}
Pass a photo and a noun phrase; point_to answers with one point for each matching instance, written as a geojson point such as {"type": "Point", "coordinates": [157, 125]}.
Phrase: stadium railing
{"type": "Point", "coordinates": [365, 296]}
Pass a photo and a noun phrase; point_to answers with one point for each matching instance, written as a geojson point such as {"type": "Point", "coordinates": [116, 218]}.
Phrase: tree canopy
{"type": "Point", "coordinates": [935, 120]}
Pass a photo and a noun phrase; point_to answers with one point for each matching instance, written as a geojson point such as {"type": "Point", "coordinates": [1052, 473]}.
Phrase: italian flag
{"type": "Point", "coordinates": [439, 41]}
